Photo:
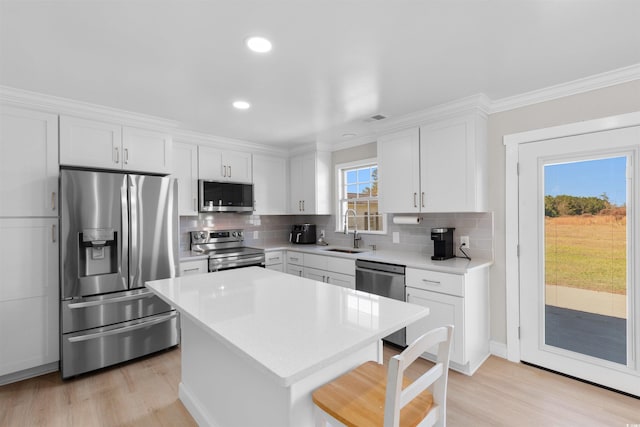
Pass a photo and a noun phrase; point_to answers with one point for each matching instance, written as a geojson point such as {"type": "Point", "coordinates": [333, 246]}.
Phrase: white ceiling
{"type": "Point", "coordinates": [334, 63]}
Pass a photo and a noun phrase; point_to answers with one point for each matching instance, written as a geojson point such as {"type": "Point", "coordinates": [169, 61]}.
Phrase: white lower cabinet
{"type": "Point", "coordinates": [461, 300]}
{"type": "Point", "coordinates": [29, 302]}
{"type": "Point", "coordinates": [332, 270]}
{"type": "Point", "coordinates": [274, 260]}
{"type": "Point", "coordinates": [199, 266]}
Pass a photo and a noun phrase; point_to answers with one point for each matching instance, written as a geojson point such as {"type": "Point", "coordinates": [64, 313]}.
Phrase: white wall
{"type": "Point", "coordinates": [619, 99]}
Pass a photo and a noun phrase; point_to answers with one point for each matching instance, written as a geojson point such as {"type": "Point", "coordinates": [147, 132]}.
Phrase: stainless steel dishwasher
{"type": "Point", "coordinates": [386, 280]}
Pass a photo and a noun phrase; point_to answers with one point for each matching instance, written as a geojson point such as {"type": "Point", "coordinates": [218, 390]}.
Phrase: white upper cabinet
{"type": "Point", "coordinates": [399, 171]}
{"type": "Point", "coordinates": [96, 144]}
{"type": "Point", "coordinates": [224, 165]}
{"type": "Point", "coordinates": [146, 150]}
{"type": "Point", "coordinates": [28, 163]}
{"type": "Point", "coordinates": [185, 169]}
{"type": "Point", "coordinates": [270, 185]}
{"type": "Point", "coordinates": [439, 167]}
{"type": "Point", "coordinates": [453, 159]}
{"type": "Point", "coordinates": [310, 184]}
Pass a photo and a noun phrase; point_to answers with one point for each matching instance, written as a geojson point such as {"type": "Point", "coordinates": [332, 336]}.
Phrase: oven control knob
{"type": "Point", "coordinates": [240, 233]}
{"type": "Point", "coordinates": [234, 234]}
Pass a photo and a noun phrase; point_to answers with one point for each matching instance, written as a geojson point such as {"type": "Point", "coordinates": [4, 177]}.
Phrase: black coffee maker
{"type": "Point", "coordinates": [442, 243]}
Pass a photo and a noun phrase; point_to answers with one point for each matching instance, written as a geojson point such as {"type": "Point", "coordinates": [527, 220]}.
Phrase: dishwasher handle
{"type": "Point", "coordinates": [379, 272]}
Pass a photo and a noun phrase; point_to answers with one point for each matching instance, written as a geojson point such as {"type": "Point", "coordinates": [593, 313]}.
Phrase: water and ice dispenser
{"type": "Point", "coordinates": [98, 252]}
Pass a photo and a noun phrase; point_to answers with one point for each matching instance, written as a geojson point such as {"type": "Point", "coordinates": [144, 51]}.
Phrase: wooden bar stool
{"type": "Point", "coordinates": [371, 395]}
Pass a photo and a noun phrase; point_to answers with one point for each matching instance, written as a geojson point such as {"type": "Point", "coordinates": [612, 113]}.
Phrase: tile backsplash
{"type": "Point", "coordinates": [273, 230]}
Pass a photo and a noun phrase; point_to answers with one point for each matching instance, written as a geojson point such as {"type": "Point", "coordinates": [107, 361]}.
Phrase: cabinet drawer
{"type": "Point", "coordinates": [341, 265]}
{"type": "Point", "coordinates": [315, 261]}
{"type": "Point", "coordinates": [445, 283]}
{"type": "Point", "coordinates": [271, 258]}
{"type": "Point", "coordinates": [200, 266]}
{"type": "Point", "coordinates": [295, 258]}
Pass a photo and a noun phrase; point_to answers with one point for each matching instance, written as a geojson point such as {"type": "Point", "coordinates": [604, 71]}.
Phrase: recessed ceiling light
{"type": "Point", "coordinates": [241, 105]}
{"type": "Point", "coordinates": [258, 44]}
{"type": "Point", "coordinates": [348, 135]}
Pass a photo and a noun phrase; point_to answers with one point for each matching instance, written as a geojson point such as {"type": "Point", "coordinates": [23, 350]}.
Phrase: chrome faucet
{"type": "Point", "coordinates": [356, 239]}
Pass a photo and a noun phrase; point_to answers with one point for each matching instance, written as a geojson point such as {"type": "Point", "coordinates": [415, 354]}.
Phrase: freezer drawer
{"type": "Point", "coordinates": [103, 310]}
{"type": "Point", "coordinates": [101, 347]}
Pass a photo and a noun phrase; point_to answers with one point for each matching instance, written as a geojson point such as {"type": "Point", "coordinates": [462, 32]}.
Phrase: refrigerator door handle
{"type": "Point", "coordinates": [124, 241]}
{"type": "Point", "coordinates": [134, 225]}
{"type": "Point", "coordinates": [123, 329]}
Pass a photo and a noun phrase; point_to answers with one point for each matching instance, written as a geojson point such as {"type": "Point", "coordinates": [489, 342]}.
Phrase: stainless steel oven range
{"type": "Point", "coordinates": [226, 249]}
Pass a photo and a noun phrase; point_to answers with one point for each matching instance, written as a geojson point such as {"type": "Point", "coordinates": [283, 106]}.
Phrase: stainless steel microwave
{"type": "Point", "coordinates": [222, 196]}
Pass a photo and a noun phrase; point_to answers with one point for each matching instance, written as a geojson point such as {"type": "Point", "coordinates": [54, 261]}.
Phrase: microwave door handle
{"type": "Point", "coordinates": [291, 237]}
{"type": "Point", "coordinates": [298, 237]}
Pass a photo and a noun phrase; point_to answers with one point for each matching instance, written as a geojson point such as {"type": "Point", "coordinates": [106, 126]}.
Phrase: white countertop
{"type": "Point", "coordinates": [407, 258]}
{"type": "Point", "coordinates": [286, 325]}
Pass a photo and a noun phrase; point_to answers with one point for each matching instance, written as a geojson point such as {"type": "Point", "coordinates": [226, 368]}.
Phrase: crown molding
{"type": "Point", "coordinates": [586, 84]}
{"type": "Point", "coordinates": [59, 105]}
{"type": "Point", "coordinates": [181, 135]}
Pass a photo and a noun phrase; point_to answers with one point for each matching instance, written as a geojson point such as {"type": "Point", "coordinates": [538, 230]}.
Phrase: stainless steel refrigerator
{"type": "Point", "coordinates": [117, 231]}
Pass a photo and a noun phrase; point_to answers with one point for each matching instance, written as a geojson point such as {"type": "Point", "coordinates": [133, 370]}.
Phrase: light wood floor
{"type": "Point", "coordinates": [145, 393]}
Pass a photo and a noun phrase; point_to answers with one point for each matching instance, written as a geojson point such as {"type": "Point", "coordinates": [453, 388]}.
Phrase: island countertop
{"type": "Point", "coordinates": [287, 326]}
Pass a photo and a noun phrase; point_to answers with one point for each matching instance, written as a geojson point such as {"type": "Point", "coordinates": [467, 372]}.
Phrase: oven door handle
{"type": "Point", "coordinates": [123, 329]}
{"type": "Point", "coordinates": [259, 259]}
{"type": "Point", "coordinates": [382, 273]}
{"type": "Point", "coordinates": [110, 300]}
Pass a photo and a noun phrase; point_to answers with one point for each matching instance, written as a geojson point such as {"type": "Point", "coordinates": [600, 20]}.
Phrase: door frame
{"type": "Point", "coordinates": [512, 240]}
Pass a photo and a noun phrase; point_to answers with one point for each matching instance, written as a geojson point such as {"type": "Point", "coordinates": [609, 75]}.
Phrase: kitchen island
{"type": "Point", "coordinates": [256, 343]}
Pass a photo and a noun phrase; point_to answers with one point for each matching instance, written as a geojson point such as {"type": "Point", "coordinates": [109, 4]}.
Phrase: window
{"type": "Point", "coordinates": [358, 195]}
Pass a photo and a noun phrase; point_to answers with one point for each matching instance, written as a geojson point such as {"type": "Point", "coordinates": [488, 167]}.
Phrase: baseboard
{"type": "Point", "coordinates": [29, 373]}
{"type": "Point", "coordinates": [498, 349]}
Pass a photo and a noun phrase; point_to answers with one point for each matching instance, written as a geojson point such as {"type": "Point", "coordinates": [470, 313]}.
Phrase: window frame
{"type": "Point", "coordinates": [338, 174]}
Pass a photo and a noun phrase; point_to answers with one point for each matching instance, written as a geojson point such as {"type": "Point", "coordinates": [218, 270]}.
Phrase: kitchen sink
{"type": "Point", "coordinates": [344, 251]}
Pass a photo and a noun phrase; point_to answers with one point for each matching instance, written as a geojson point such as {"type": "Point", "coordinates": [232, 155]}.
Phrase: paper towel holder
{"type": "Point", "coordinates": [407, 219]}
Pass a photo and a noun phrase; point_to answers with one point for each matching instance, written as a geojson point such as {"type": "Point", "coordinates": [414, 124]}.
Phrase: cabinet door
{"type": "Point", "coordinates": [399, 171]}
{"type": "Point", "coordinates": [273, 258]}
{"type": "Point", "coordinates": [308, 180]}
{"type": "Point", "coordinates": [145, 150]}
{"type": "Point", "coordinates": [343, 280]}
{"type": "Point", "coordinates": [200, 266]}
{"type": "Point", "coordinates": [315, 274]}
{"type": "Point", "coordinates": [28, 163]}
{"type": "Point", "coordinates": [90, 143]}
{"type": "Point", "coordinates": [441, 146]}
{"type": "Point", "coordinates": [443, 310]}
{"type": "Point", "coordinates": [236, 166]}
{"type": "Point", "coordinates": [29, 293]}
{"type": "Point", "coordinates": [185, 169]}
{"type": "Point", "coordinates": [275, 267]}
{"type": "Point", "coordinates": [296, 270]}
{"type": "Point", "coordinates": [210, 163]}
{"type": "Point", "coordinates": [270, 185]}
{"type": "Point", "coordinates": [297, 185]}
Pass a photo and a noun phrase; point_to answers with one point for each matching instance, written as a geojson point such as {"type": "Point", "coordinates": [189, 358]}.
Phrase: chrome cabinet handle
{"type": "Point", "coordinates": [300, 205]}
{"type": "Point", "coordinates": [126, 156]}
{"type": "Point", "coordinates": [53, 233]}
{"type": "Point", "coordinates": [435, 282]}
{"type": "Point", "coordinates": [191, 269]}
{"type": "Point", "coordinates": [224, 170]}
{"type": "Point", "coordinates": [117, 154]}
{"type": "Point", "coordinates": [303, 206]}
{"type": "Point", "coordinates": [195, 204]}
{"type": "Point", "coordinates": [415, 204]}
{"type": "Point", "coordinates": [293, 259]}
{"type": "Point", "coordinates": [229, 171]}
{"type": "Point", "coordinates": [53, 201]}
{"type": "Point", "coordinates": [423, 199]}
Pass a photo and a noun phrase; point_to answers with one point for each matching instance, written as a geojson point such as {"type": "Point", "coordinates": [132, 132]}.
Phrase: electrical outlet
{"type": "Point", "coordinates": [464, 242]}
{"type": "Point", "coordinates": [396, 237]}
{"type": "Point", "coordinates": [256, 234]}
